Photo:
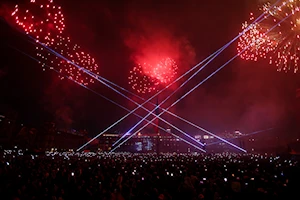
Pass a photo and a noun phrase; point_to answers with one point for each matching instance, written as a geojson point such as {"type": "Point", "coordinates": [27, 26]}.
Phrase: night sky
{"type": "Point", "coordinates": [244, 95]}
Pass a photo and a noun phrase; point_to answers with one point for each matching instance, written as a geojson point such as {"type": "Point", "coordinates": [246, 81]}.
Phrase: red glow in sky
{"type": "Point", "coordinates": [163, 70]}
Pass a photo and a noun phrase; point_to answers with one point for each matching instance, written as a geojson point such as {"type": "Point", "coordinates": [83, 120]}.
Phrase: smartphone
{"type": "Point", "coordinates": [72, 174]}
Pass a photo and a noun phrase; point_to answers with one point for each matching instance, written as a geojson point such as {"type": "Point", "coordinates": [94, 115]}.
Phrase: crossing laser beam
{"type": "Point", "coordinates": [84, 86]}
{"type": "Point", "coordinates": [207, 78]}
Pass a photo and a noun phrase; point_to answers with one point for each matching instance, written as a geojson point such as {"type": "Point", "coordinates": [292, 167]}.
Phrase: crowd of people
{"type": "Point", "coordinates": [122, 176]}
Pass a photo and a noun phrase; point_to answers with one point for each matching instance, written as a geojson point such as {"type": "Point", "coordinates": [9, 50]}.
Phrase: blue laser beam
{"type": "Point", "coordinates": [114, 84]}
{"type": "Point", "coordinates": [259, 19]}
{"type": "Point", "coordinates": [210, 59]}
{"type": "Point", "coordinates": [176, 128]}
{"type": "Point", "coordinates": [178, 137]}
{"type": "Point", "coordinates": [241, 149]}
{"type": "Point", "coordinates": [225, 46]}
{"type": "Point", "coordinates": [215, 54]}
{"type": "Point", "coordinates": [128, 114]}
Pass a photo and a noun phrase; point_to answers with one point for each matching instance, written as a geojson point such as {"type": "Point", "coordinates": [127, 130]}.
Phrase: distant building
{"type": "Point", "coordinates": [145, 142]}
{"type": "Point", "coordinates": [214, 144]}
{"type": "Point", "coordinates": [50, 137]}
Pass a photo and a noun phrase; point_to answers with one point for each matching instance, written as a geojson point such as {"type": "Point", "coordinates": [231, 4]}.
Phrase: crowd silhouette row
{"type": "Point", "coordinates": [123, 176]}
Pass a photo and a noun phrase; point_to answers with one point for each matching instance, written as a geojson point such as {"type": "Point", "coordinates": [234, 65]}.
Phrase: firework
{"type": "Point", "coordinates": [164, 71]}
{"type": "Point", "coordinates": [73, 54]}
{"type": "Point", "coordinates": [140, 82]}
{"type": "Point", "coordinates": [84, 61]}
{"type": "Point", "coordinates": [281, 45]}
{"type": "Point", "coordinates": [147, 77]}
{"type": "Point", "coordinates": [61, 46]}
{"type": "Point", "coordinates": [255, 41]}
{"type": "Point", "coordinates": [41, 19]}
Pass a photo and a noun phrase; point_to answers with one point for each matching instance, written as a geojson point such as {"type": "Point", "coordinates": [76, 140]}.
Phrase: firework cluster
{"type": "Point", "coordinates": [44, 21]}
{"type": "Point", "coordinates": [145, 78]}
{"type": "Point", "coordinates": [276, 38]}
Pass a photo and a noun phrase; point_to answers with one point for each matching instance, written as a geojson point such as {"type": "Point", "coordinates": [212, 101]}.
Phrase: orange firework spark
{"type": "Point", "coordinates": [281, 45]}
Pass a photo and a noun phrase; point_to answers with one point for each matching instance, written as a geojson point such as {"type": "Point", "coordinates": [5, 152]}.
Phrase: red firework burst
{"type": "Point", "coordinates": [141, 82]}
{"type": "Point", "coordinates": [44, 21]}
{"type": "Point", "coordinates": [164, 71]}
{"type": "Point", "coordinates": [147, 77]}
{"type": "Point", "coordinates": [73, 54]}
{"type": "Point", "coordinates": [41, 19]}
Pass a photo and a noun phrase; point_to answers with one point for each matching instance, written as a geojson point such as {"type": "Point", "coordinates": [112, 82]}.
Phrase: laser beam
{"type": "Point", "coordinates": [178, 137]}
{"type": "Point", "coordinates": [216, 71]}
{"type": "Point", "coordinates": [260, 18]}
{"type": "Point", "coordinates": [168, 123]}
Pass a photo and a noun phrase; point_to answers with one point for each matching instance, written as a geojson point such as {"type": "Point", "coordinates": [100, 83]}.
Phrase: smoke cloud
{"type": "Point", "coordinates": [150, 40]}
{"type": "Point", "coordinates": [5, 10]}
{"type": "Point", "coordinates": [248, 102]}
{"type": "Point", "coordinates": [58, 101]}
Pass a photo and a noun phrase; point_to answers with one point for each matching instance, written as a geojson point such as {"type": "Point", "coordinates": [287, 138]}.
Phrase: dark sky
{"type": "Point", "coordinates": [244, 95]}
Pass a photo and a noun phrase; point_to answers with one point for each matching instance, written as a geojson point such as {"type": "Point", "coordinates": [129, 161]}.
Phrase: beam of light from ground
{"type": "Point", "coordinates": [209, 58]}
{"type": "Point", "coordinates": [216, 71]}
{"type": "Point", "coordinates": [178, 117]}
{"type": "Point", "coordinates": [196, 126]}
{"type": "Point", "coordinates": [217, 53]}
{"type": "Point", "coordinates": [246, 135]}
{"type": "Point", "coordinates": [132, 111]}
{"type": "Point", "coordinates": [178, 137]}
{"type": "Point", "coordinates": [168, 123]}
{"type": "Point", "coordinates": [161, 128]}
{"type": "Point", "coordinates": [259, 19]}
{"type": "Point", "coordinates": [214, 55]}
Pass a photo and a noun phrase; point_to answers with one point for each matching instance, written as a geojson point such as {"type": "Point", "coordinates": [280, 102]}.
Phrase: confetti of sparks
{"type": "Point", "coordinates": [141, 82]}
{"type": "Point", "coordinates": [147, 77]}
{"type": "Point", "coordinates": [44, 21]}
{"type": "Point", "coordinates": [75, 55]}
{"type": "Point", "coordinates": [41, 19]}
{"type": "Point", "coordinates": [164, 71]}
{"type": "Point", "coordinates": [281, 45]}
